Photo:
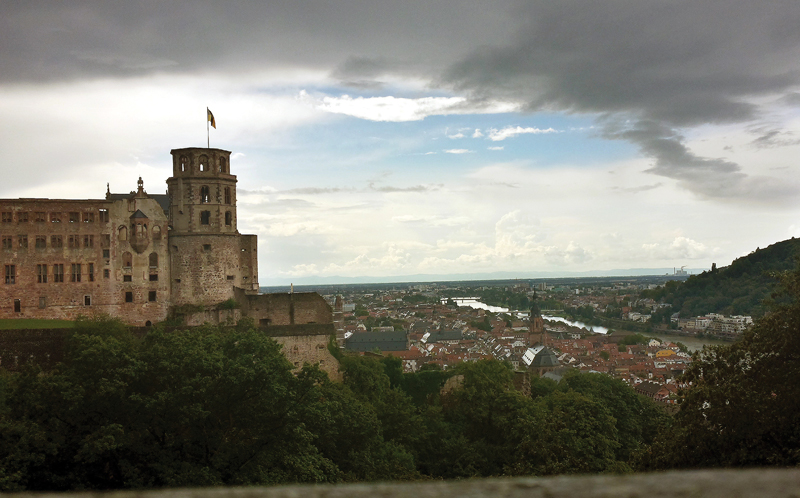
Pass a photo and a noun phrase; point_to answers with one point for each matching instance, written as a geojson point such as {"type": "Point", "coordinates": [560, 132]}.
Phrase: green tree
{"type": "Point", "coordinates": [743, 408]}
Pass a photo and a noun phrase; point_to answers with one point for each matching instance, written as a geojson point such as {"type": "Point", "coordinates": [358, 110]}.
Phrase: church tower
{"type": "Point", "coordinates": [208, 255]}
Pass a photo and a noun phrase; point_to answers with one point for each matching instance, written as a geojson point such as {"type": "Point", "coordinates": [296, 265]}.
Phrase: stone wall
{"type": "Point", "coordinates": [285, 308]}
{"type": "Point", "coordinates": [302, 347]}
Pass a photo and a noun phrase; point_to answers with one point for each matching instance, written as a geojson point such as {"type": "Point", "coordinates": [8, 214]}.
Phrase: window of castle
{"type": "Point", "coordinates": [183, 164]}
{"type": "Point", "coordinates": [204, 194]}
{"type": "Point", "coordinates": [227, 195]}
{"type": "Point", "coordinates": [41, 242]}
{"type": "Point", "coordinates": [17, 306]}
{"type": "Point", "coordinates": [207, 247]}
{"type": "Point", "coordinates": [76, 272]}
{"type": "Point", "coordinates": [22, 217]}
{"type": "Point", "coordinates": [40, 217]}
{"type": "Point", "coordinates": [58, 273]}
{"type": "Point", "coordinates": [156, 233]}
{"type": "Point", "coordinates": [23, 241]}
{"type": "Point", "coordinates": [11, 274]}
{"type": "Point", "coordinates": [123, 233]}
{"type": "Point", "coordinates": [74, 217]}
{"type": "Point", "coordinates": [41, 274]}
{"type": "Point", "coordinates": [88, 217]}
{"type": "Point", "coordinates": [73, 241]}
{"type": "Point", "coordinates": [91, 272]}
{"type": "Point", "coordinates": [8, 216]}
{"type": "Point", "coordinates": [42, 302]}
{"type": "Point", "coordinates": [103, 215]}
{"type": "Point", "coordinates": [154, 277]}
{"type": "Point", "coordinates": [87, 300]}
{"type": "Point", "coordinates": [153, 260]}
{"type": "Point", "coordinates": [127, 260]}
{"type": "Point", "coordinates": [106, 273]}
{"type": "Point", "coordinates": [205, 217]}
{"type": "Point", "coordinates": [106, 240]}
{"type": "Point", "coordinates": [106, 254]}
{"type": "Point", "coordinates": [204, 163]}
{"type": "Point", "coordinates": [223, 168]}
{"type": "Point", "coordinates": [8, 243]}
{"type": "Point", "coordinates": [129, 297]}
{"type": "Point", "coordinates": [228, 218]}
{"type": "Point", "coordinates": [56, 241]}
{"type": "Point", "coordinates": [88, 241]}
{"type": "Point", "coordinates": [127, 278]}
{"type": "Point", "coordinates": [151, 296]}
{"type": "Point", "coordinates": [55, 217]}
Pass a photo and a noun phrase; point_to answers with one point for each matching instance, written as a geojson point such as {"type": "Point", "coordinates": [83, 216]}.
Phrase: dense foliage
{"type": "Point", "coordinates": [738, 289]}
{"type": "Point", "coordinates": [743, 408]}
{"type": "Point", "coordinates": [221, 406]}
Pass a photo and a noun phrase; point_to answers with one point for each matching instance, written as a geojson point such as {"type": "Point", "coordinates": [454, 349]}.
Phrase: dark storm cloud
{"type": "Point", "coordinates": [662, 65]}
{"type": "Point", "coordinates": [43, 40]}
{"type": "Point", "coordinates": [708, 178]}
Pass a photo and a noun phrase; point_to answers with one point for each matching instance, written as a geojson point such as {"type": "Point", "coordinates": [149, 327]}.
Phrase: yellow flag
{"type": "Point", "coordinates": [211, 118]}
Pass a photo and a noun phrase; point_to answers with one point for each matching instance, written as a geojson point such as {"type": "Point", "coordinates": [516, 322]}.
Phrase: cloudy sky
{"type": "Point", "coordinates": [376, 138]}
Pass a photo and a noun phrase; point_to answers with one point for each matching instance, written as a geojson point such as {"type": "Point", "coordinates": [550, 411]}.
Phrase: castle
{"type": "Point", "coordinates": [140, 256]}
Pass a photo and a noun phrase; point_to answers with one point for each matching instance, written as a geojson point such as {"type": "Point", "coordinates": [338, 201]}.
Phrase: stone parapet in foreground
{"type": "Point", "coordinates": [764, 483]}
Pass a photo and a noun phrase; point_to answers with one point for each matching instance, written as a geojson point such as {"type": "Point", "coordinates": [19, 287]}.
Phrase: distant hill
{"type": "Point", "coordinates": [738, 289]}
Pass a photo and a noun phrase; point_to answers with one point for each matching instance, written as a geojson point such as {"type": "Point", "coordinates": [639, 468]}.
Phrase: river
{"type": "Point", "coordinates": [691, 342]}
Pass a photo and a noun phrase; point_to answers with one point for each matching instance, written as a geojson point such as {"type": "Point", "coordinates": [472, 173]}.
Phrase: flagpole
{"type": "Point", "coordinates": [208, 130]}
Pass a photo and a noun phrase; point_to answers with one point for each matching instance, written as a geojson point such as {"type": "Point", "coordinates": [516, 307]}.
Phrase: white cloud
{"type": "Point", "coordinates": [477, 133]}
{"type": "Point", "coordinates": [458, 151]}
{"type": "Point", "coordinates": [397, 109]}
{"type": "Point", "coordinates": [496, 148]}
{"type": "Point", "coordinates": [456, 135]}
{"type": "Point", "coordinates": [512, 131]}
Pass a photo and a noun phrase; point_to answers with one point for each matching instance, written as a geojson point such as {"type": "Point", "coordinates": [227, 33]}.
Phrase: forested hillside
{"type": "Point", "coordinates": [738, 289]}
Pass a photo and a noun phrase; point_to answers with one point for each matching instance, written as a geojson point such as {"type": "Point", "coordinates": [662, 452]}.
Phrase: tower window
{"type": "Point", "coordinates": [223, 167]}
{"type": "Point", "coordinates": [228, 218]}
{"type": "Point", "coordinates": [205, 217]}
{"type": "Point", "coordinates": [204, 194]}
{"type": "Point", "coordinates": [203, 163]}
{"type": "Point", "coordinates": [227, 195]}
{"type": "Point", "coordinates": [183, 164]}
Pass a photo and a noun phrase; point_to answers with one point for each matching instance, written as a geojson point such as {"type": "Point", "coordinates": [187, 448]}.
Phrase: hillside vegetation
{"type": "Point", "coordinates": [738, 289]}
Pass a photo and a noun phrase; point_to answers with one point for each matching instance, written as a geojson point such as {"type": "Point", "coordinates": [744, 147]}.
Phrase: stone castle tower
{"type": "Point", "coordinates": [208, 255]}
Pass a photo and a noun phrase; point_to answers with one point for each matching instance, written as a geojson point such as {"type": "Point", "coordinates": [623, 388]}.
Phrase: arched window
{"type": "Point", "coordinates": [228, 218]}
{"type": "Point", "coordinates": [127, 260]}
{"type": "Point", "coordinates": [184, 164]}
{"type": "Point", "coordinates": [153, 260]}
{"type": "Point", "coordinates": [204, 194]}
{"type": "Point", "coordinates": [223, 167]}
{"type": "Point", "coordinates": [227, 195]}
{"type": "Point", "coordinates": [123, 234]}
{"type": "Point", "coordinates": [156, 232]}
{"type": "Point", "coordinates": [203, 163]}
